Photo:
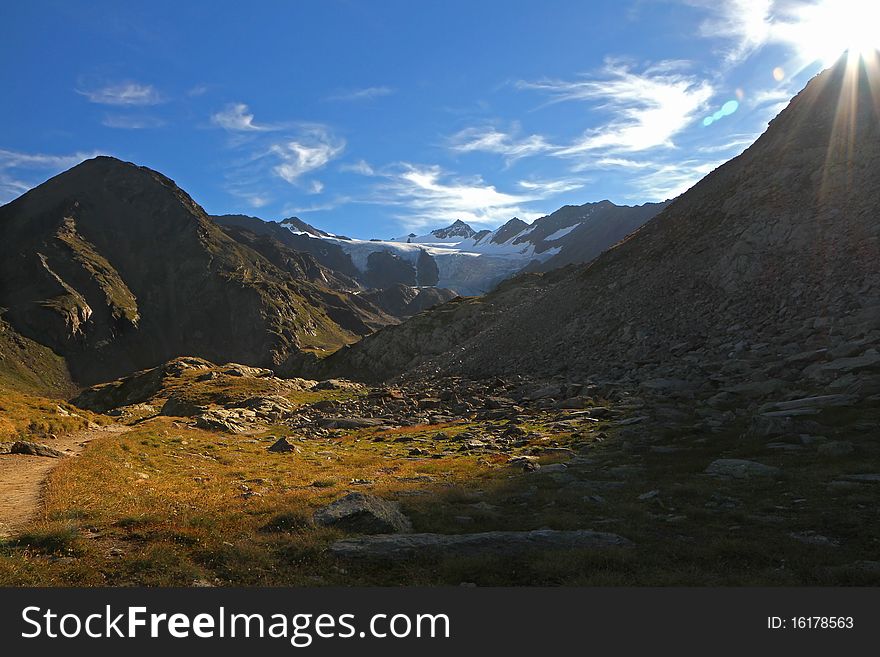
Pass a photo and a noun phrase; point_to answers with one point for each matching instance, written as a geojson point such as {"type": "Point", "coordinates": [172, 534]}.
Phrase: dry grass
{"type": "Point", "coordinates": [31, 417]}
{"type": "Point", "coordinates": [166, 504]}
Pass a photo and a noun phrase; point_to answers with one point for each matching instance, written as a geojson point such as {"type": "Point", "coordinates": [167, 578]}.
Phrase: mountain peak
{"type": "Point", "coordinates": [457, 229]}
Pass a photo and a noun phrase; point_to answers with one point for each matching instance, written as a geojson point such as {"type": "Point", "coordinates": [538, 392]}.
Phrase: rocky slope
{"type": "Point", "coordinates": [760, 281]}
{"type": "Point", "coordinates": [115, 268]}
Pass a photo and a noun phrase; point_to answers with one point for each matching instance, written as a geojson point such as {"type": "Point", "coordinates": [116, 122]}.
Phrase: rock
{"type": "Point", "coordinates": [350, 422]}
{"type": "Point", "coordinates": [364, 514]}
{"type": "Point", "coordinates": [497, 543]}
{"type": "Point", "coordinates": [35, 449]}
{"type": "Point", "coordinates": [221, 420]}
{"type": "Point", "coordinates": [553, 468]}
{"type": "Point", "coordinates": [836, 448]}
{"type": "Point", "coordinates": [741, 469]}
{"type": "Point", "coordinates": [235, 369]}
{"type": "Point", "coordinates": [869, 478]}
{"type": "Point", "coordinates": [812, 538]}
{"type": "Point", "coordinates": [820, 402]}
{"type": "Point", "coordinates": [870, 360]}
{"type": "Point", "coordinates": [281, 446]}
{"type": "Point", "coordinates": [336, 384]}
{"type": "Point", "coordinates": [176, 407]}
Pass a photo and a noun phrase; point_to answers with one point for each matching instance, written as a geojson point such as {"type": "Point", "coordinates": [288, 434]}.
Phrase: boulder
{"type": "Point", "coordinates": [363, 514]}
{"type": "Point", "coordinates": [741, 469]}
{"type": "Point", "coordinates": [281, 446]}
{"type": "Point", "coordinates": [35, 449]}
{"type": "Point", "coordinates": [221, 420]}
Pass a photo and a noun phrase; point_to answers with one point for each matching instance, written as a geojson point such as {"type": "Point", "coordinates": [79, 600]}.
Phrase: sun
{"type": "Point", "coordinates": [824, 30]}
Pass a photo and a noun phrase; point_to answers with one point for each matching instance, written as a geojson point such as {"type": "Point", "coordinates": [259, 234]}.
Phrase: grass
{"type": "Point", "coordinates": [166, 504]}
{"type": "Point", "coordinates": [31, 417]}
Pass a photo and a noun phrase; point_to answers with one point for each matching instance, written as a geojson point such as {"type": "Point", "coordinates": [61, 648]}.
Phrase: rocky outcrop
{"type": "Point", "coordinates": [35, 449]}
{"type": "Point", "coordinates": [363, 514]}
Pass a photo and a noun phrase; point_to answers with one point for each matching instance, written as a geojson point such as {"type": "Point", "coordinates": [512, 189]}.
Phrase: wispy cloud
{"type": "Point", "coordinates": [361, 167]}
{"type": "Point", "coordinates": [648, 108]}
{"type": "Point", "coordinates": [123, 93]}
{"type": "Point", "coordinates": [237, 117]}
{"type": "Point", "coordinates": [288, 151]}
{"type": "Point", "coordinates": [492, 140]}
{"type": "Point", "coordinates": [197, 90]}
{"type": "Point", "coordinates": [365, 93]}
{"type": "Point", "coordinates": [17, 169]}
{"type": "Point", "coordinates": [128, 122]}
{"type": "Point", "coordinates": [295, 209]}
{"type": "Point", "coordinates": [672, 179]}
{"type": "Point", "coordinates": [428, 194]}
{"type": "Point", "coordinates": [309, 151]}
{"type": "Point", "coordinates": [815, 30]}
{"type": "Point", "coordinates": [744, 25]}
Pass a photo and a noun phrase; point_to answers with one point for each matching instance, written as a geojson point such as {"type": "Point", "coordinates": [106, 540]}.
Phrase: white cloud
{"type": "Point", "coordinates": [361, 167]}
{"type": "Point", "coordinates": [816, 30]}
{"type": "Point", "coordinates": [18, 160]}
{"type": "Point", "coordinates": [236, 117]}
{"type": "Point", "coordinates": [367, 93]}
{"type": "Point", "coordinates": [649, 108]}
{"type": "Point", "coordinates": [492, 140]}
{"type": "Point", "coordinates": [747, 23]}
{"type": "Point", "coordinates": [310, 151]}
{"type": "Point", "coordinates": [124, 93]}
{"type": "Point", "coordinates": [670, 179]}
{"type": "Point", "coordinates": [547, 188]}
{"type": "Point", "coordinates": [430, 195]}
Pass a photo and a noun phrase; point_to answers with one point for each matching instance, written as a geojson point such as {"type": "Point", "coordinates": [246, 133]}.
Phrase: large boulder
{"type": "Point", "coordinates": [35, 449]}
{"type": "Point", "coordinates": [364, 514]}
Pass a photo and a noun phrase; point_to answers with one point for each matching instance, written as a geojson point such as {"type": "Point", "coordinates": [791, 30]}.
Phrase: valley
{"type": "Point", "coordinates": [614, 487]}
{"type": "Point", "coordinates": [685, 393]}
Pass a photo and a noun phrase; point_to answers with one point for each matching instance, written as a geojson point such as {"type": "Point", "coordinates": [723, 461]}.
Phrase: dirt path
{"type": "Point", "coordinates": [22, 477]}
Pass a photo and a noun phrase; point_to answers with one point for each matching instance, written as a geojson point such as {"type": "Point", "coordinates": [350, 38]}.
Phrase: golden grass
{"type": "Point", "coordinates": [26, 416]}
{"type": "Point", "coordinates": [166, 504]}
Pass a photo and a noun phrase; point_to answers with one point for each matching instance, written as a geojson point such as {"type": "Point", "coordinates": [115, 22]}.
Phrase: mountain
{"type": "Point", "coordinates": [115, 268]}
{"type": "Point", "coordinates": [324, 261]}
{"type": "Point", "coordinates": [472, 263]}
{"type": "Point", "coordinates": [454, 233]}
{"type": "Point", "coordinates": [759, 282]}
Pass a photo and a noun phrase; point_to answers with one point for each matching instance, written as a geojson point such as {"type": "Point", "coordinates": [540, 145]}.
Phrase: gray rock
{"type": "Point", "coordinates": [350, 422]}
{"type": "Point", "coordinates": [836, 448]}
{"type": "Point", "coordinates": [496, 543]}
{"type": "Point", "coordinates": [741, 469]}
{"type": "Point", "coordinates": [364, 514]}
{"type": "Point", "coordinates": [810, 403]}
{"type": "Point", "coordinates": [281, 446]}
{"type": "Point", "coordinates": [221, 420]}
{"type": "Point", "coordinates": [34, 449]}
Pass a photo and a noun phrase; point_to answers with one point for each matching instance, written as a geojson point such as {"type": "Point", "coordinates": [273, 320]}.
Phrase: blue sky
{"type": "Point", "coordinates": [376, 118]}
